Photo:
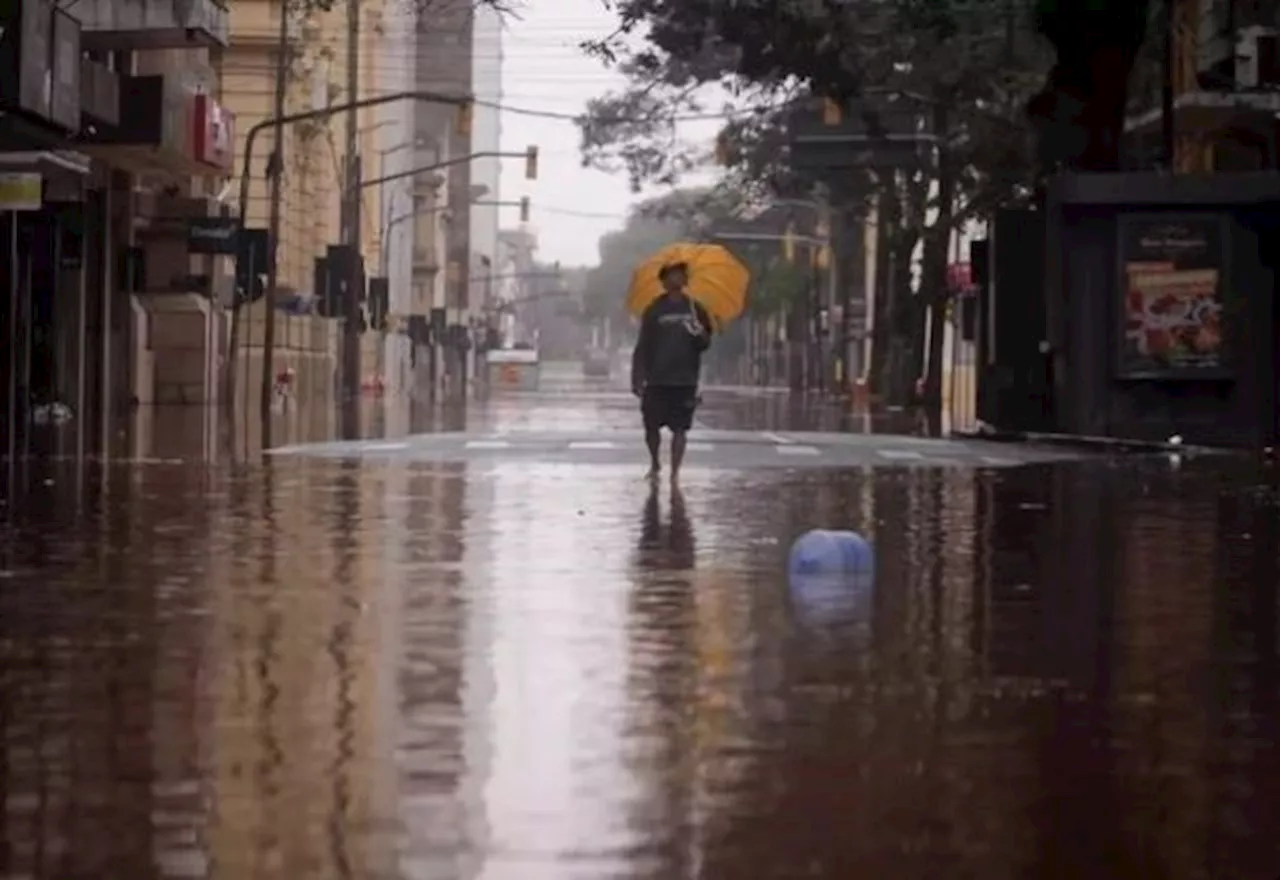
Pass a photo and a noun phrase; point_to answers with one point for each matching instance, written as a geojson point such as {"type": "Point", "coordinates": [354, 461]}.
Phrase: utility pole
{"type": "Point", "coordinates": [350, 385]}
{"type": "Point", "coordinates": [275, 169]}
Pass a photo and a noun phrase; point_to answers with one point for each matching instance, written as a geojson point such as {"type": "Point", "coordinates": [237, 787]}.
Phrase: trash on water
{"type": "Point", "coordinates": [825, 551]}
{"type": "Point", "coordinates": [831, 575]}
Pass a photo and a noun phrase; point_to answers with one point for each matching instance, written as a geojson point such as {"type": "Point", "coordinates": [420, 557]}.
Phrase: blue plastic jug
{"type": "Point", "coordinates": [828, 552]}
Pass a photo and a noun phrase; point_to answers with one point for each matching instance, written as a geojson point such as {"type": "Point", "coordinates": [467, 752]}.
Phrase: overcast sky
{"type": "Point", "coordinates": [545, 71]}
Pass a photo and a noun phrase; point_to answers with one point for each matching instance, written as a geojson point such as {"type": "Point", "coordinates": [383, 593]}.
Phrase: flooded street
{"type": "Point", "coordinates": [447, 657]}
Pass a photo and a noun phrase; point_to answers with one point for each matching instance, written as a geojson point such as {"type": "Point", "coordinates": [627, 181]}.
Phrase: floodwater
{"type": "Point", "coordinates": [318, 669]}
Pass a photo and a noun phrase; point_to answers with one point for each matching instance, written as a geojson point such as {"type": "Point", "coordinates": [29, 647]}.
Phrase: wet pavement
{"type": "Point", "coordinates": [517, 662]}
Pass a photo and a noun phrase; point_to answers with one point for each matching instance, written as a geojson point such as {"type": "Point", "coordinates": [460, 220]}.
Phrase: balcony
{"type": "Point", "coordinates": [111, 25]}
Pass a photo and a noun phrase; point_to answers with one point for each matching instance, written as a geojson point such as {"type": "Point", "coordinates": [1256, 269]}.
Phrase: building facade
{"type": "Point", "coordinates": [114, 143]}
{"type": "Point", "coordinates": [456, 230]}
{"type": "Point", "coordinates": [1225, 73]}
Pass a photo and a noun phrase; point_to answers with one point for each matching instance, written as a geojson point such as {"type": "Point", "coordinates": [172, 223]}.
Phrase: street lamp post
{"type": "Point", "coordinates": [277, 122]}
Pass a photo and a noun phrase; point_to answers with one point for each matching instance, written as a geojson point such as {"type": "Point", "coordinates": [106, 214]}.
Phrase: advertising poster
{"type": "Point", "coordinates": [1172, 280]}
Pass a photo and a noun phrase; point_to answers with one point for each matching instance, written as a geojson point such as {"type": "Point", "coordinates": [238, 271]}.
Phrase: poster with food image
{"type": "Point", "coordinates": [1172, 281]}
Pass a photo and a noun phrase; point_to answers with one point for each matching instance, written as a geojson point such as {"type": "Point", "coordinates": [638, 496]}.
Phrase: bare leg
{"type": "Point", "coordinates": [653, 440]}
{"type": "Point", "coordinates": [678, 441]}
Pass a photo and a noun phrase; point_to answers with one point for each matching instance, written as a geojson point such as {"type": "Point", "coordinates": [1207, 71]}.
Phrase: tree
{"type": "Point", "coordinates": [965, 68]}
{"type": "Point", "coordinates": [651, 226]}
{"type": "Point", "coordinates": [1081, 105]}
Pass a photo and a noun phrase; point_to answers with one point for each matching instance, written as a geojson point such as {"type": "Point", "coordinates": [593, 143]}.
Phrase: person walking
{"type": "Point", "coordinates": [667, 364]}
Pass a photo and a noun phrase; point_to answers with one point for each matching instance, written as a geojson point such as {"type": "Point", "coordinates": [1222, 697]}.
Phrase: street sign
{"type": "Point", "coordinates": [213, 235]}
{"type": "Point", "coordinates": [21, 191]}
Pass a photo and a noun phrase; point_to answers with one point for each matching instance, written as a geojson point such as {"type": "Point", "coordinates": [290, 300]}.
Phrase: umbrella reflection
{"type": "Point", "coordinates": [671, 546]}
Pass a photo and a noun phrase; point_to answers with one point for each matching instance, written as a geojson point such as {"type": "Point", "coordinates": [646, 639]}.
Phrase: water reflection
{"type": "Point", "coordinates": [671, 546]}
{"type": "Point", "coordinates": [340, 670]}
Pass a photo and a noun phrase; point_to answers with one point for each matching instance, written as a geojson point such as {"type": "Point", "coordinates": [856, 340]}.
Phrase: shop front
{"type": "Point", "coordinates": [42, 173]}
{"type": "Point", "coordinates": [171, 135]}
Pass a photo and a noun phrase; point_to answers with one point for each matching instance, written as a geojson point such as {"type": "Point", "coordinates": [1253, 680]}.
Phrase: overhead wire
{"type": "Point", "coordinates": [399, 61]}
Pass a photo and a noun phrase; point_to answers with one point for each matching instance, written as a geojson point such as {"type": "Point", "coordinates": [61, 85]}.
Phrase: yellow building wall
{"type": "Point", "coordinates": [311, 198]}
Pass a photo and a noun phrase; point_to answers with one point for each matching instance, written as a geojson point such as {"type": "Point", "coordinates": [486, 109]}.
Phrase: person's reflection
{"type": "Point", "coordinates": [670, 546]}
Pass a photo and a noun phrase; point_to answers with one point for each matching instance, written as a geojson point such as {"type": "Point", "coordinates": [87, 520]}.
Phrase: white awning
{"type": "Point", "coordinates": [46, 160]}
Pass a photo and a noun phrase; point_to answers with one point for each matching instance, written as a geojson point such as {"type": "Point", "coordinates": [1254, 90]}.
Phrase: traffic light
{"type": "Point", "coordinates": [832, 112]}
{"type": "Point", "coordinates": [524, 209]}
{"type": "Point", "coordinates": [466, 112]}
{"type": "Point", "coordinates": [531, 163]}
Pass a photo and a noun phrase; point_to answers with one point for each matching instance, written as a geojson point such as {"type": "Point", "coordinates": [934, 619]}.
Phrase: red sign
{"type": "Point", "coordinates": [959, 277]}
{"type": "Point", "coordinates": [215, 134]}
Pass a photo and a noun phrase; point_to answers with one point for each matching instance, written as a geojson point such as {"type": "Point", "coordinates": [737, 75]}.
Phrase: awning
{"type": "Point", "coordinates": [45, 161]}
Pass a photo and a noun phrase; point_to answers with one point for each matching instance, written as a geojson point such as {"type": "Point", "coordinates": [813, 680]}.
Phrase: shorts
{"type": "Point", "coordinates": [670, 407]}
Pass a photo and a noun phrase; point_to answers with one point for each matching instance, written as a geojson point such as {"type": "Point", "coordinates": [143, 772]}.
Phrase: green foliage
{"type": "Point", "coordinates": [775, 283]}
{"type": "Point", "coordinates": [653, 225]}
{"type": "Point", "coordinates": [976, 60]}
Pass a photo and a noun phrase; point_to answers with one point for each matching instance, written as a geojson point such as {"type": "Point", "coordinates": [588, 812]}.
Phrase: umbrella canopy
{"type": "Point", "coordinates": [717, 280]}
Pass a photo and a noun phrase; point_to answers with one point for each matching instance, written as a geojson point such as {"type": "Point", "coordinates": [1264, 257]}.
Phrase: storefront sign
{"type": "Point", "coordinates": [214, 136]}
{"type": "Point", "coordinates": [21, 191]}
{"type": "Point", "coordinates": [212, 235]}
{"type": "Point", "coordinates": [1172, 278]}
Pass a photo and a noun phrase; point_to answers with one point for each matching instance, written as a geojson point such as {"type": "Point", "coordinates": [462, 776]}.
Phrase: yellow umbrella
{"type": "Point", "coordinates": [717, 280]}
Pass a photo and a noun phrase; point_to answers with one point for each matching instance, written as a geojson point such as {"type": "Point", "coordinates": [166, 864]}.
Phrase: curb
{"type": "Point", "coordinates": [1093, 444]}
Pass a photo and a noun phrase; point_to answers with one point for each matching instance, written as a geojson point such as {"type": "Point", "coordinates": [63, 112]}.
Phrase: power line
{"type": "Point", "coordinates": [576, 117]}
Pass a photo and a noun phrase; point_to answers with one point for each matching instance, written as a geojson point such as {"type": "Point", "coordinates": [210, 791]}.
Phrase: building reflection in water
{"type": "Point", "coordinates": [437, 828]}
{"type": "Point", "coordinates": [100, 756]}
{"type": "Point", "coordinates": [546, 664]}
{"type": "Point", "coordinates": [326, 670]}
{"type": "Point", "coordinates": [294, 677]}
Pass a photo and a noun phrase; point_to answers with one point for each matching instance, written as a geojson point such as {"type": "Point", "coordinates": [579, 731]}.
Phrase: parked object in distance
{"type": "Point", "coordinates": [512, 369]}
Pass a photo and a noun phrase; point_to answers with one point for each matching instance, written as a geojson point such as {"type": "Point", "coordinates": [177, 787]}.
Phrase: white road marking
{"type": "Point", "coordinates": [998, 462]}
{"type": "Point", "coordinates": [592, 444]}
{"type": "Point", "coordinates": [776, 438]}
{"type": "Point", "coordinates": [488, 444]}
{"type": "Point", "coordinates": [700, 447]}
{"type": "Point", "coordinates": [899, 454]}
{"type": "Point", "coordinates": [384, 447]}
{"type": "Point", "coordinates": [796, 450]}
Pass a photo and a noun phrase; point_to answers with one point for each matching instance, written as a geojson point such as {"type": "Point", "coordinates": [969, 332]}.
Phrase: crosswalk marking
{"type": "Point", "coordinates": [998, 462]}
{"type": "Point", "coordinates": [899, 455]}
{"type": "Point", "coordinates": [593, 444]}
{"type": "Point", "coordinates": [384, 447]}
{"type": "Point", "coordinates": [796, 450]}
{"type": "Point", "coordinates": [488, 444]}
{"type": "Point", "coordinates": [700, 447]}
{"type": "Point", "coordinates": [776, 438]}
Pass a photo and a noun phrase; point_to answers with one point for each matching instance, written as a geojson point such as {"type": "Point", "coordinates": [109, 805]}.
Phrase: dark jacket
{"type": "Point", "coordinates": [668, 352]}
